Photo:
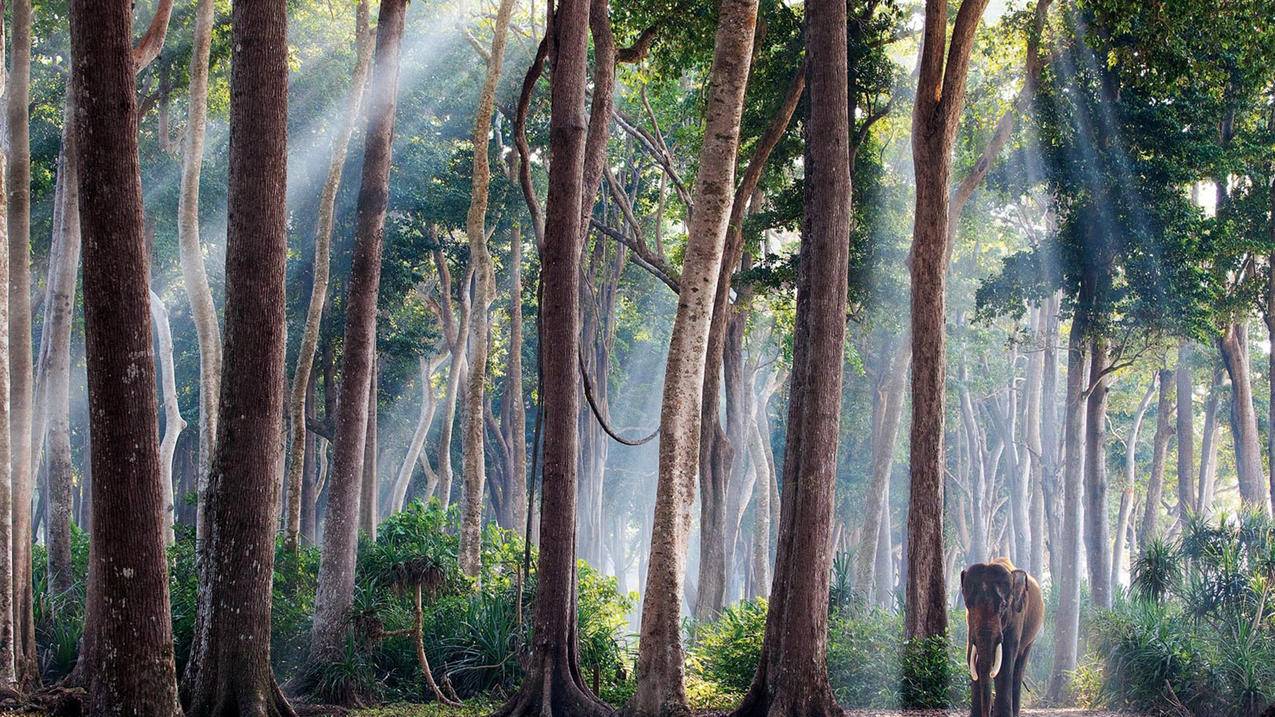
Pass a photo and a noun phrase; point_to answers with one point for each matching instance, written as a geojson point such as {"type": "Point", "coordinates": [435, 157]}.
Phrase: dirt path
{"type": "Point", "coordinates": [964, 713]}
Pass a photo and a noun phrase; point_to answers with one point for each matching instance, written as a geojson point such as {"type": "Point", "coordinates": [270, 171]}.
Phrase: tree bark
{"type": "Point", "coordinates": [480, 260]}
{"type": "Point", "coordinates": [368, 485]}
{"type": "Point", "coordinates": [1248, 454]}
{"type": "Point", "coordinates": [552, 686]}
{"type": "Point", "coordinates": [792, 676]}
{"type": "Point", "coordinates": [229, 670]}
{"type": "Point", "coordinates": [20, 359]}
{"type": "Point", "coordinates": [1185, 415]}
{"type": "Point", "coordinates": [1067, 577]}
{"type": "Point", "coordinates": [516, 409]}
{"type": "Point", "coordinates": [194, 275]}
{"type": "Point", "coordinates": [660, 660]}
{"type": "Point", "coordinates": [940, 98]}
{"type": "Point", "coordinates": [1126, 495]}
{"type": "Point", "coordinates": [128, 654]}
{"type": "Point", "coordinates": [1097, 530]}
{"type": "Point", "coordinates": [456, 371]}
{"type": "Point", "coordinates": [53, 420]}
{"type": "Point", "coordinates": [1050, 464]}
{"type": "Point", "coordinates": [1149, 529]}
{"type": "Point", "coordinates": [340, 531]}
{"type": "Point", "coordinates": [429, 406]}
{"type": "Point", "coordinates": [760, 584]}
{"type": "Point", "coordinates": [1208, 445]}
{"type": "Point", "coordinates": [8, 633]}
{"type": "Point", "coordinates": [1034, 405]}
{"type": "Point", "coordinates": [174, 424]}
{"type": "Point", "coordinates": [321, 274]}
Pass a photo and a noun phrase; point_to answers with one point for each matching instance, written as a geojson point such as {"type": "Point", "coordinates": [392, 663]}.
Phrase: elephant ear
{"type": "Point", "coordinates": [1018, 593]}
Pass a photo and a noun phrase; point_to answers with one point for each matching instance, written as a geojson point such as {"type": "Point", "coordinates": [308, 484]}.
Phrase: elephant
{"type": "Point", "coordinates": [1004, 610]}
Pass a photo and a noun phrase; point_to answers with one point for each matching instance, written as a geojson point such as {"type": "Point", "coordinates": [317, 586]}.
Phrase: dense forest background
{"type": "Point", "coordinates": [497, 345]}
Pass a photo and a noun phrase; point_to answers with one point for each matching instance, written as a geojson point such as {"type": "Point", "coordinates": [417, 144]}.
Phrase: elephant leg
{"type": "Point", "coordinates": [1020, 672]}
{"type": "Point", "coordinates": [1003, 704]}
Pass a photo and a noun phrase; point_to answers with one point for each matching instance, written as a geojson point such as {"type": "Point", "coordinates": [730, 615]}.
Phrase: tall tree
{"type": "Point", "coordinates": [792, 676]}
{"type": "Point", "coordinates": [194, 274]}
{"type": "Point", "coordinates": [1149, 529]}
{"type": "Point", "coordinates": [321, 272]}
{"type": "Point", "coordinates": [940, 98]}
{"type": "Point", "coordinates": [1233, 345]}
{"type": "Point", "coordinates": [552, 686]}
{"type": "Point", "coordinates": [1185, 415]}
{"type": "Point", "coordinates": [174, 424]}
{"type": "Point", "coordinates": [340, 532]}
{"type": "Point", "coordinates": [127, 654]}
{"type": "Point", "coordinates": [229, 668]}
{"type": "Point", "coordinates": [480, 259]}
{"type": "Point", "coordinates": [660, 660]}
{"type": "Point", "coordinates": [20, 359]}
{"type": "Point", "coordinates": [1096, 520]}
{"type": "Point", "coordinates": [8, 673]}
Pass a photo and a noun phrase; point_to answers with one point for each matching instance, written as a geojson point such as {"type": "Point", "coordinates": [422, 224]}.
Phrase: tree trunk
{"type": "Point", "coordinates": [1050, 464]}
{"type": "Point", "coordinates": [1185, 415]}
{"type": "Point", "coordinates": [760, 584]}
{"type": "Point", "coordinates": [516, 410]}
{"type": "Point", "coordinates": [480, 260]}
{"type": "Point", "coordinates": [1097, 530]}
{"type": "Point", "coordinates": [456, 370]}
{"type": "Point", "coordinates": [174, 424]}
{"type": "Point", "coordinates": [428, 407]}
{"type": "Point", "coordinates": [1208, 445]}
{"type": "Point", "coordinates": [1126, 495]}
{"type": "Point", "coordinates": [1034, 405]}
{"type": "Point", "coordinates": [1067, 577]}
{"type": "Point", "coordinates": [20, 360]}
{"type": "Point", "coordinates": [340, 531]}
{"type": "Point", "coordinates": [229, 670]}
{"type": "Point", "coordinates": [940, 98]}
{"type": "Point", "coordinates": [321, 272]}
{"type": "Point", "coordinates": [53, 422]}
{"type": "Point", "coordinates": [368, 486]}
{"type": "Point", "coordinates": [883, 574]}
{"type": "Point", "coordinates": [1149, 529]}
{"type": "Point", "coordinates": [660, 658]}
{"type": "Point", "coordinates": [552, 686]}
{"type": "Point", "coordinates": [792, 675]}
{"type": "Point", "coordinates": [8, 634]}
{"type": "Point", "coordinates": [194, 275]}
{"type": "Point", "coordinates": [127, 654]}
{"type": "Point", "coordinates": [1248, 453]}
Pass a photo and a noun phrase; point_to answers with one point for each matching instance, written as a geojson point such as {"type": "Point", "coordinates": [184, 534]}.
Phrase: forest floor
{"type": "Point", "coordinates": [480, 708]}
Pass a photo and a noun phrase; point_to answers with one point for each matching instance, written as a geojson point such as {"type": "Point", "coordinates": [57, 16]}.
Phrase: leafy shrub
{"type": "Point", "coordinates": [1198, 633]}
{"type": "Point", "coordinates": [727, 649]}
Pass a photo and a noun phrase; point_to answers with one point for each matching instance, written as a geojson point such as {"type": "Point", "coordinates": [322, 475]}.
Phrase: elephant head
{"type": "Point", "coordinates": [995, 597]}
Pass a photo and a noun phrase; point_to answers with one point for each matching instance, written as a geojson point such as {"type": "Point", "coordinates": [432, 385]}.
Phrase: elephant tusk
{"type": "Point", "coordinates": [973, 655]}
{"type": "Point", "coordinates": [996, 664]}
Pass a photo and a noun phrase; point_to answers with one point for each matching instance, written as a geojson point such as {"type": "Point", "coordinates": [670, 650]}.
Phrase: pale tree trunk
{"type": "Point", "coordinates": [174, 424]}
{"type": "Point", "coordinates": [1050, 462]}
{"type": "Point", "coordinates": [516, 409]}
{"type": "Point", "coordinates": [1248, 453]}
{"type": "Point", "coordinates": [52, 417]}
{"type": "Point", "coordinates": [8, 673]}
{"type": "Point", "coordinates": [1067, 577]}
{"type": "Point", "coordinates": [368, 486]}
{"type": "Point", "coordinates": [1208, 445]}
{"type": "Point", "coordinates": [335, 591]}
{"type": "Point", "coordinates": [480, 260]}
{"type": "Point", "coordinates": [1185, 415]}
{"type": "Point", "coordinates": [883, 575]}
{"type": "Point", "coordinates": [940, 98]}
{"type": "Point", "coordinates": [552, 686]}
{"type": "Point", "coordinates": [977, 552]}
{"type": "Point", "coordinates": [792, 675]}
{"type": "Point", "coordinates": [229, 670]}
{"type": "Point", "coordinates": [1032, 431]}
{"type": "Point", "coordinates": [127, 670]}
{"type": "Point", "coordinates": [1126, 494]}
{"type": "Point", "coordinates": [1149, 529]}
{"type": "Point", "coordinates": [760, 585]}
{"type": "Point", "coordinates": [194, 274]}
{"type": "Point", "coordinates": [20, 360]}
{"type": "Point", "coordinates": [660, 658]}
{"type": "Point", "coordinates": [429, 406]}
{"type": "Point", "coordinates": [456, 372]}
{"type": "Point", "coordinates": [1097, 530]}
{"type": "Point", "coordinates": [321, 273]}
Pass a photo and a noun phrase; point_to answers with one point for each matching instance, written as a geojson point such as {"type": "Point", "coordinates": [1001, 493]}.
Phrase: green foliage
{"type": "Point", "coordinates": [726, 650]}
{"type": "Point", "coordinates": [1199, 631]}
